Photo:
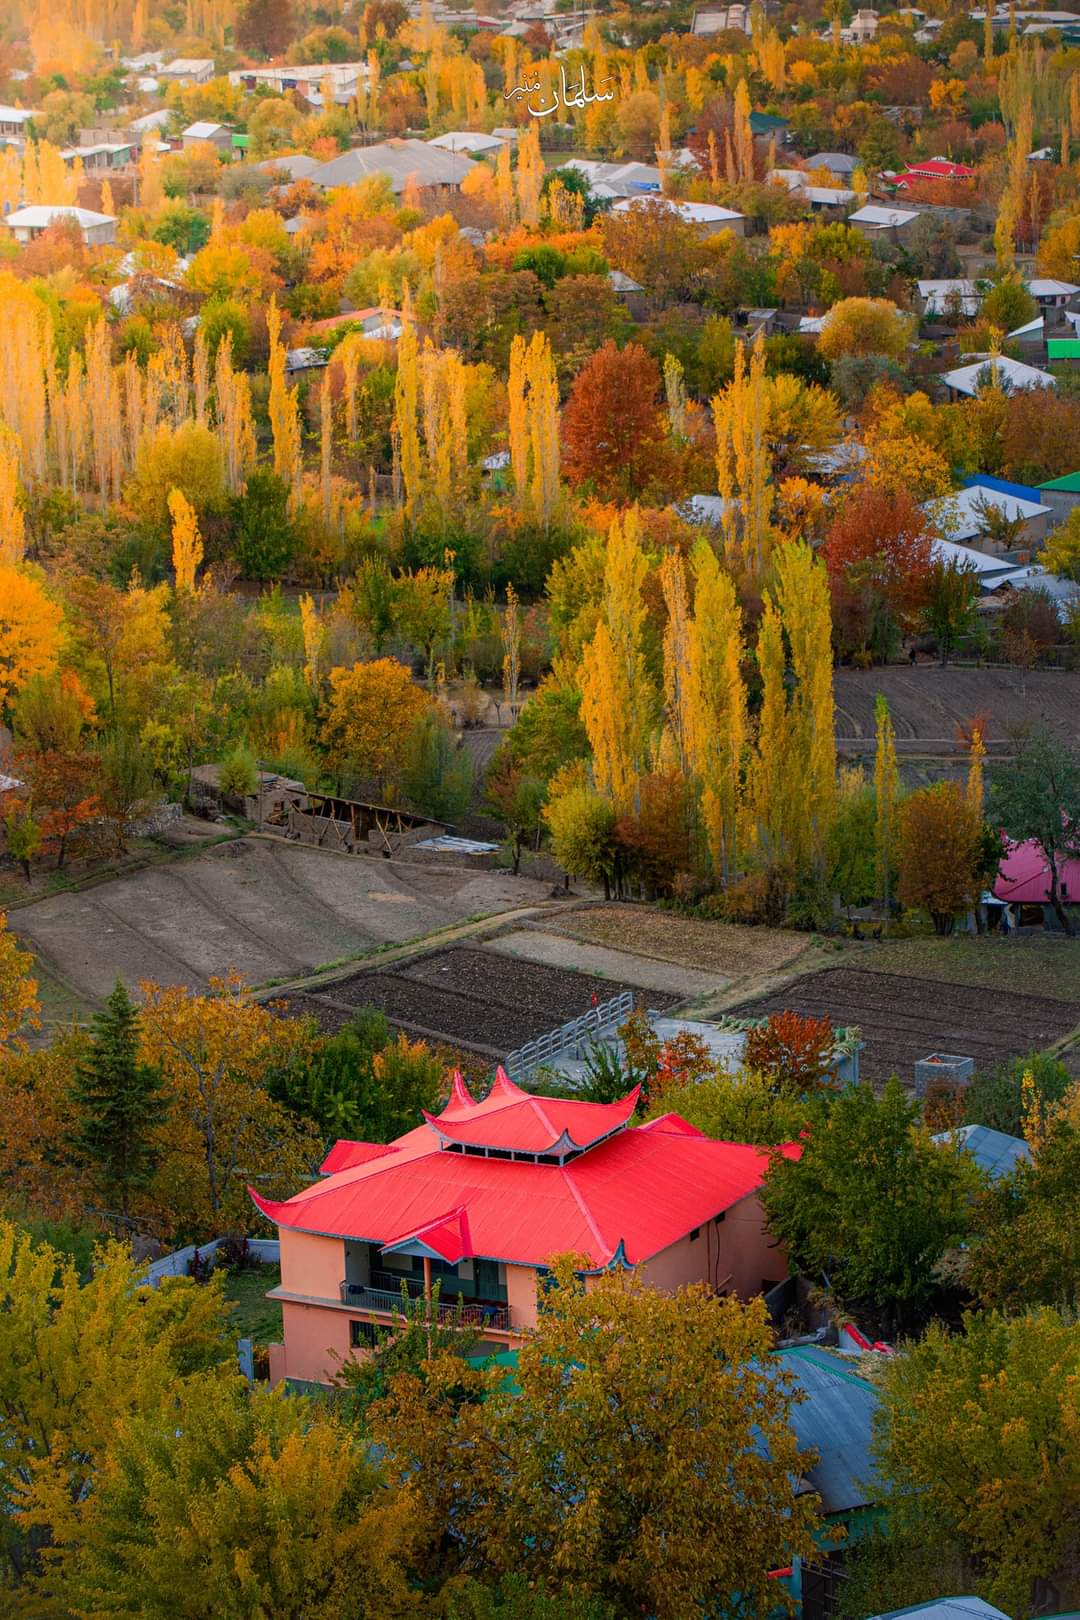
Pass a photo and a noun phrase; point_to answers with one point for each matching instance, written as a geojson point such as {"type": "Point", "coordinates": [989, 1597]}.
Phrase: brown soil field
{"type": "Point", "coordinates": [928, 702]}
{"type": "Point", "coordinates": [715, 947]}
{"type": "Point", "coordinates": [466, 996]}
{"type": "Point", "coordinates": [904, 1019]}
{"type": "Point", "coordinates": [264, 907]}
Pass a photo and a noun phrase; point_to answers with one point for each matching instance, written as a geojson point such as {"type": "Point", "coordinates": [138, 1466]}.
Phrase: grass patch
{"type": "Point", "coordinates": [1038, 964]}
{"type": "Point", "coordinates": [254, 1317]}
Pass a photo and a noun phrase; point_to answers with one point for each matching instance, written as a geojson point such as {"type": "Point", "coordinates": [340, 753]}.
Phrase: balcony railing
{"type": "Point", "coordinates": [475, 1313]}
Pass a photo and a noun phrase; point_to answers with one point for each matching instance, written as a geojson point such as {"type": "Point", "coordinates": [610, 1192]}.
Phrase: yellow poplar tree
{"type": "Point", "coordinates": [284, 416]}
{"type": "Point", "coordinates": [885, 793]}
{"type": "Point", "coordinates": [976, 756]}
{"type": "Point", "coordinates": [618, 701]}
{"type": "Point", "coordinates": [187, 546]}
{"type": "Point", "coordinates": [771, 777]}
{"type": "Point", "coordinates": [718, 716]}
{"type": "Point", "coordinates": [12, 527]}
{"type": "Point", "coordinates": [406, 398]}
{"type": "Point", "coordinates": [741, 415]}
{"type": "Point", "coordinates": [802, 592]}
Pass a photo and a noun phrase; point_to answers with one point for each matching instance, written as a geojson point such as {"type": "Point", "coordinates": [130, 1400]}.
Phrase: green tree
{"type": "Point", "coordinates": [997, 1098]}
{"type": "Point", "coordinates": [421, 1332]}
{"type": "Point", "coordinates": [743, 1108]}
{"type": "Point", "coordinates": [872, 1203]}
{"type": "Point", "coordinates": [952, 591]}
{"type": "Point", "coordinates": [439, 776]}
{"type": "Point", "coordinates": [119, 1103]}
{"type": "Point", "coordinates": [1008, 304]}
{"type": "Point", "coordinates": [264, 539]}
{"type": "Point", "coordinates": [183, 228]}
{"type": "Point", "coordinates": [582, 826]}
{"type": "Point", "coordinates": [76, 1361]}
{"type": "Point", "coordinates": [645, 1457]}
{"type": "Point", "coordinates": [1036, 797]}
{"type": "Point", "coordinates": [236, 1503]}
{"type": "Point", "coordinates": [1025, 1246]}
{"type": "Point", "coordinates": [977, 1443]}
{"type": "Point", "coordinates": [362, 1082]}
{"type": "Point", "coordinates": [518, 800]}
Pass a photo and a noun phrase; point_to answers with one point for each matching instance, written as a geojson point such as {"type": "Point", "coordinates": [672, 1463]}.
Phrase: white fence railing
{"type": "Point", "coordinates": [568, 1039]}
{"type": "Point", "coordinates": [178, 1264]}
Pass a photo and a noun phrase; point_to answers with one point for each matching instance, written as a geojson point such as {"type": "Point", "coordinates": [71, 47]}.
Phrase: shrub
{"type": "Point", "coordinates": [239, 774]}
{"type": "Point", "coordinates": [793, 1052]}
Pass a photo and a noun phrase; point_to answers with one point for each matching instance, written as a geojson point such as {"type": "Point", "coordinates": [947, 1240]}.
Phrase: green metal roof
{"type": "Point", "coordinates": [1070, 483]}
{"type": "Point", "coordinates": [241, 141]}
{"type": "Point", "coordinates": [764, 123]}
{"type": "Point", "coordinates": [1063, 348]}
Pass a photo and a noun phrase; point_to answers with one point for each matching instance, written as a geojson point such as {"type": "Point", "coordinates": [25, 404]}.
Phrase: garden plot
{"type": "Point", "coordinates": [904, 1019]}
{"type": "Point", "coordinates": [266, 908]}
{"type": "Point", "coordinates": [481, 1000]}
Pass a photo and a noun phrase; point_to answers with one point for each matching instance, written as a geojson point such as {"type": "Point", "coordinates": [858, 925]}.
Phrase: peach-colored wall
{"type": "Point", "coordinates": [521, 1296]}
{"type": "Point", "coordinates": [312, 1334]}
{"type": "Point", "coordinates": [737, 1254]}
{"type": "Point", "coordinates": [684, 1262]}
{"type": "Point", "coordinates": [747, 1250]}
{"type": "Point", "coordinates": [311, 1265]}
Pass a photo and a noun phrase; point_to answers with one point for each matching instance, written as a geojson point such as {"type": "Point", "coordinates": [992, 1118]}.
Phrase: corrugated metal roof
{"type": "Point", "coordinates": [993, 1151]}
{"type": "Point", "coordinates": [836, 1421]}
{"type": "Point", "coordinates": [645, 1189]}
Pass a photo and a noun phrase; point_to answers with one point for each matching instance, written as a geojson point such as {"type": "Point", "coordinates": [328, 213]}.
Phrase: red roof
{"type": "Point", "coordinates": [636, 1189]}
{"type": "Point", "coordinates": [1024, 877]}
{"type": "Point", "coordinates": [347, 1155]}
{"type": "Point", "coordinates": [513, 1119]}
{"type": "Point", "coordinates": [935, 169]}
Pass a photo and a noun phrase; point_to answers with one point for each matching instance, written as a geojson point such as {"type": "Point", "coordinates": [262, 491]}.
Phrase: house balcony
{"type": "Point", "coordinates": [478, 1313]}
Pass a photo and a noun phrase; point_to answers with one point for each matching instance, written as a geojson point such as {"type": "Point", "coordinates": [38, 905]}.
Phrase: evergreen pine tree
{"type": "Point", "coordinates": [120, 1103]}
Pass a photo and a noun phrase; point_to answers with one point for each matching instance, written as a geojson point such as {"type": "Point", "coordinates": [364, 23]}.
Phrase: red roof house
{"type": "Point", "coordinates": [484, 1195]}
{"type": "Point", "coordinates": [1024, 877]}
{"type": "Point", "coordinates": [933, 169]}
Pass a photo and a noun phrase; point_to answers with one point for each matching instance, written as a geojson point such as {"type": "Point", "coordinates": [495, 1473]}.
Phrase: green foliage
{"type": "Point", "coordinates": [439, 776]}
{"type": "Point", "coordinates": [976, 1441]}
{"type": "Point", "coordinates": [119, 1104]}
{"type": "Point", "coordinates": [949, 612]}
{"type": "Point", "coordinates": [239, 773]}
{"type": "Point", "coordinates": [264, 539]}
{"type": "Point", "coordinates": [1026, 1241]}
{"type": "Point", "coordinates": [419, 1334]}
{"type": "Point", "coordinates": [76, 1362]}
{"type": "Point", "coordinates": [995, 1098]}
{"type": "Point", "coordinates": [546, 263]}
{"type": "Point", "coordinates": [549, 732]}
{"type": "Point", "coordinates": [516, 1598]}
{"type": "Point", "coordinates": [872, 1203]}
{"type": "Point", "coordinates": [1008, 304]}
{"type": "Point", "coordinates": [362, 1082]}
{"type": "Point", "coordinates": [851, 847]}
{"type": "Point", "coordinates": [1037, 796]}
{"type": "Point", "coordinates": [221, 315]}
{"type": "Point", "coordinates": [897, 1568]}
{"type": "Point", "coordinates": [582, 826]}
{"type": "Point", "coordinates": [740, 1108]}
{"type": "Point", "coordinates": [183, 228]}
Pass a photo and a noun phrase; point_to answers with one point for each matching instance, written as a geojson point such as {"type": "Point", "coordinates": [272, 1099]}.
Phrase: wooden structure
{"type": "Point", "coordinates": [350, 824]}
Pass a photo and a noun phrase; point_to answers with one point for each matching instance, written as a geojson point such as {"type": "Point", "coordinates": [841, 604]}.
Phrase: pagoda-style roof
{"type": "Point", "coordinates": [521, 1179]}
{"type": "Point", "coordinates": [512, 1121]}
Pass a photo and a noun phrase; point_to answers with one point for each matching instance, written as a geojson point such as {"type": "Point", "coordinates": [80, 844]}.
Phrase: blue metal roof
{"type": "Point", "coordinates": [993, 1151]}
{"type": "Point", "coordinates": [835, 1420]}
{"type": "Point", "coordinates": [948, 1608]}
{"type": "Point", "coordinates": [1022, 491]}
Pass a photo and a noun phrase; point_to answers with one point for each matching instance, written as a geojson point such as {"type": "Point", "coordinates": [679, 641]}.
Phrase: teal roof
{"type": "Point", "coordinates": [836, 1421]}
{"type": "Point", "coordinates": [1063, 348]}
{"type": "Point", "coordinates": [1070, 483]}
{"type": "Point", "coordinates": [764, 123]}
{"type": "Point", "coordinates": [948, 1608]}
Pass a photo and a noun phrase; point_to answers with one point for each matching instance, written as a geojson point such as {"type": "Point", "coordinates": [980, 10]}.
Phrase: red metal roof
{"type": "Point", "coordinates": [1024, 877]}
{"type": "Point", "coordinates": [643, 1187]}
{"type": "Point", "coordinates": [447, 1236]}
{"type": "Point", "coordinates": [534, 1124]}
{"type": "Point", "coordinates": [347, 1155]}
{"type": "Point", "coordinates": [935, 169]}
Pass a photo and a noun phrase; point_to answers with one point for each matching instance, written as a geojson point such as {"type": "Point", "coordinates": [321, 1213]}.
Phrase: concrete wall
{"type": "Point", "coordinates": [312, 1265]}
{"type": "Point", "coordinates": [747, 1250]}
{"type": "Point", "coordinates": [521, 1295]}
{"type": "Point", "coordinates": [178, 1264]}
{"type": "Point", "coordinates": [316, 1341]}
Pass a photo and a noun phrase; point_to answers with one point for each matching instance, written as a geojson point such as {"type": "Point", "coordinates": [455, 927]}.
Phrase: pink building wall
{"type": "Point", "coordinates": [736, 1254]}
{"type": "Point", "coordinates": [316, 1341]}
{"type": "Point", "coordinates": [311, 1265]}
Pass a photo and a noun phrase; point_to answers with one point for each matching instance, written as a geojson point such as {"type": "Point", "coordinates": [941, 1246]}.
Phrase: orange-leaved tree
{"type": "Point", "coordinates": [939, 850]}
{"type": "Point", "coordinates": [612, 422]}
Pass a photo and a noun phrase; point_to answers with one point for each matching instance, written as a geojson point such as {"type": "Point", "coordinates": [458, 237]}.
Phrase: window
{"type": "Point", "coordinates": [363, 1335]}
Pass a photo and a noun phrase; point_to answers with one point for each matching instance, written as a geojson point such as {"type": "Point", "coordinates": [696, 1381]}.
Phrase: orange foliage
{"type": "Point", "coordinates": [792, 1051]}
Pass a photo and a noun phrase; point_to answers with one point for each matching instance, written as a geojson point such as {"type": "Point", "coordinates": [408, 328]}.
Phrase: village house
{"type": "Point", "coordinates": [188, 70]}
{"type": "Point", "coordinates": [971, 515]}
{"type": "Point", "coordinates": [483, 1196]}
{"type": "Point", "coordinates": [26, 224]}
{"type": "Point", "coordinates": [403, 162]}
{"type": "Point", "coordinates": [205, 133]}
{"type": "Point", "coordinates": [965, 382]}
{"type": "Point", "coordinates": [884, 224]}
{"type": "Point", "coordinates": [13, 120]}
{"type": "Point", "coordinates": [709, 218]}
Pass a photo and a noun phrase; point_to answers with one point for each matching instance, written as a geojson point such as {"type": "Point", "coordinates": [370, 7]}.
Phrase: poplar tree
{"type": "Point", "coordinates": [284, 420]}
{"type": "Point", "coordinates": [120, 1103]}
{"type": "Point", "coordinates": [187, 546]}
{"type": "Point", "coordinates": [885, 793]}
{"type": "Point", "coordinates": [718, 719]}
{"type": "Point", "coordinates": [406, 389]}
{"type": "Point", "coordinates": [618, 700]}
{"type": "Point", "coordinates": [741, 415]}
{"type": "Point", "coordinates": [12, 527]}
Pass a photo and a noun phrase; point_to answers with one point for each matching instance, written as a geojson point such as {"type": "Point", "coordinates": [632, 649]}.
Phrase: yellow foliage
{"type": "Point", "coordinates": [187, 546]}
{"type": "Point", "coordinates": [29, 631]}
